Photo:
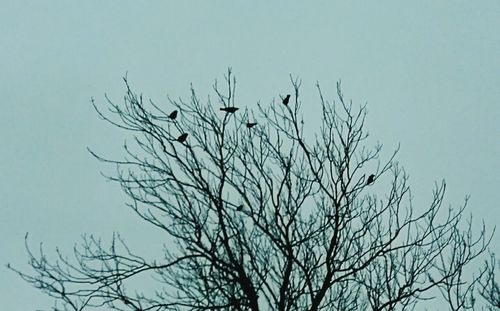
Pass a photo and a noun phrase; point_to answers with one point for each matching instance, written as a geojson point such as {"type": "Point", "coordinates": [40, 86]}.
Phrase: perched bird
{"type": "Point", "coordinates": [229, 109]}
{"type": "Point", "coordinates": [239, 208]}
{"type": "Point", "coordinates": [173, 115]}
{"type": "Point", "coordinates": [370, 179]}
{"type": "Point", "coordinates": [286, 100]}
{"type": "Point", "coordinates": [182, 138]}
{"type": "Point", "coordinates": [251, 124]}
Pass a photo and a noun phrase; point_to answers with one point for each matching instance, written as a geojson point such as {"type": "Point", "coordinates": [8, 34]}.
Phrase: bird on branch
{"type": "Point", "coordinates": [251, 124]}
{"type": "Point", "coordinates": [370, 180]}
{"type": "Point", "coordinates": [229, 109]}
{"type": "Point", "coordinates": [182, 138]}
{"type": "Point", "coordinates": [286, 100]}
{"type": "Point", "coordinates": [173, 115]}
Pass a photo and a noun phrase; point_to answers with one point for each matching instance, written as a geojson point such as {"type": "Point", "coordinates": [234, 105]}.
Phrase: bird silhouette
{"type": "Point", "coordinates": [251, 124]}
{"type": "Point", "coordinates": [182, 138]}
{"type": "Point", "coordinates": [239, 208]}
{"type": "Point", "coordinates": [229, 109]}
{"type": "Point", "coordinates": [286, 100]}
{"type": "Point", "coordinates": [370, 179]}
{"type": "Point", "coordinates": [173, 115]}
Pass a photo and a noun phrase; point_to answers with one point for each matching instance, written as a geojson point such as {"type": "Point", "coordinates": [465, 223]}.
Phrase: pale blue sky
{"type": "Point", "coordinates": [429, 70]}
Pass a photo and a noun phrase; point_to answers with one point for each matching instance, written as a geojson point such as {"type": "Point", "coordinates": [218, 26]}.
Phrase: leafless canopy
{"type": "Point", "coordinates": [266, 217]}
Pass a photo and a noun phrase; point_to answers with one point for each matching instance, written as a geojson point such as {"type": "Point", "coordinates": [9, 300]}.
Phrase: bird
{"type": "Point", "coordinates": [286, 100]}
{"type": "Point", "coordinates": [370, 179]}
{"type": "Point", "coordinates": [239, 208]}
{"type": "Point", "coordinates": [182, 138]}
{"type": "Point", "coordinates": [251, 124]}
{"type": "Point", "coordinates": [173, 115]}
{"type": "Point", "coordinates": [229, 109]}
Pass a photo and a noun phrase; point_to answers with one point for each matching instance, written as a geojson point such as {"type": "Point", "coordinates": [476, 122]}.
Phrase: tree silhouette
{"type": "Point", "coordinates": [268, 219]}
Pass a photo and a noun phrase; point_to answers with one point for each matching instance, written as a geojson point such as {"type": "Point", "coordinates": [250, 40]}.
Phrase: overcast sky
{"type": "Point", "coordinates": [429, 71]}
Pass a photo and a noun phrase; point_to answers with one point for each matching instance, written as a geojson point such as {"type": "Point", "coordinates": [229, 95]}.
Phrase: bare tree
{"type": "Point", "coordinates": [263, 216]}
